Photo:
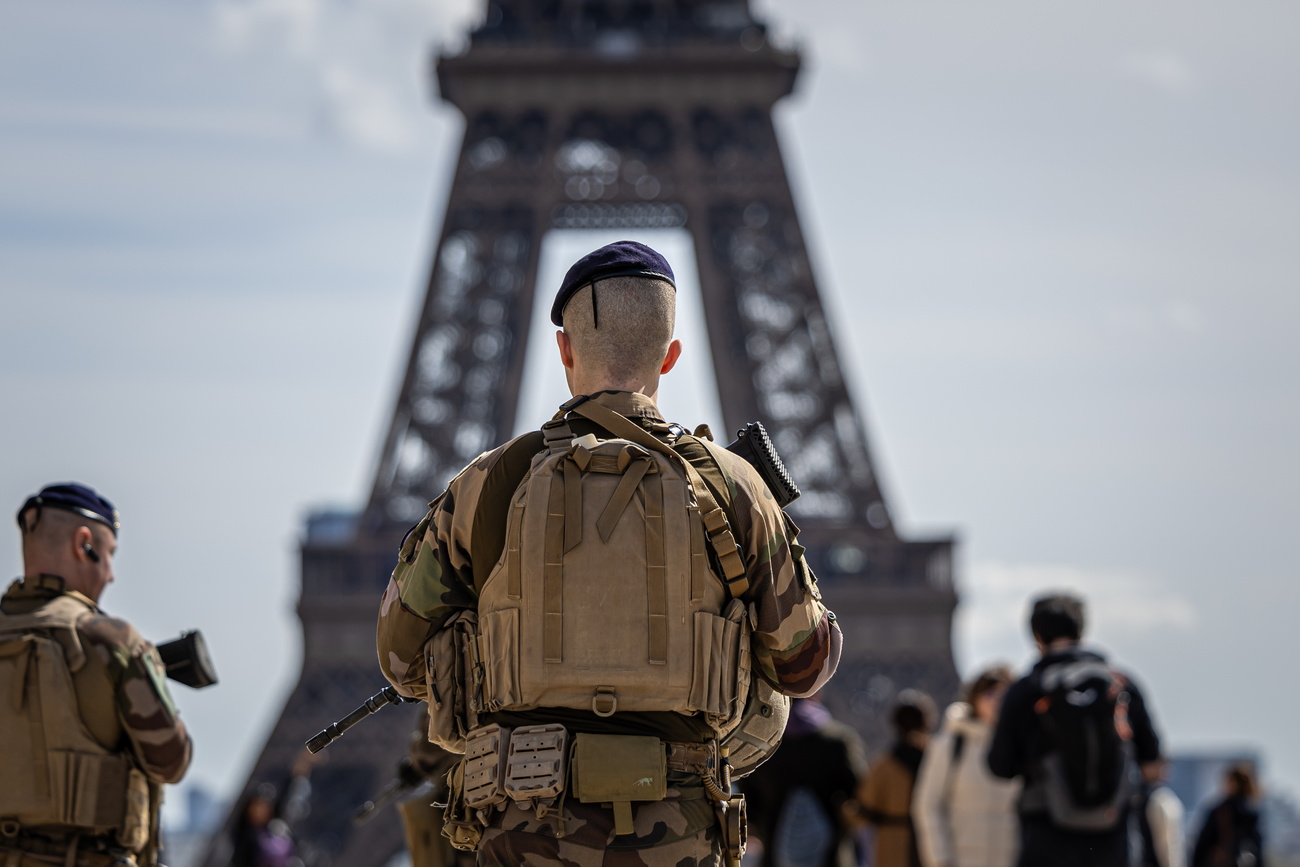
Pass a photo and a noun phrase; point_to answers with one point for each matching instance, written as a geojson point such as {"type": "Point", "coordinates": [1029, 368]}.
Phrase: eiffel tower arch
{"type": "Point", "coordinates": [630, 115]}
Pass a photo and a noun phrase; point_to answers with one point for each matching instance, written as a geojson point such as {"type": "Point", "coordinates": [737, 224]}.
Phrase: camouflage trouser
{"type": "Point", "coordinates": [671, 833]}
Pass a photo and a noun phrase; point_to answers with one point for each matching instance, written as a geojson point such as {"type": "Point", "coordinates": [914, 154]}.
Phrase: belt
{"type": "Point", "coordinates": [88, 851]}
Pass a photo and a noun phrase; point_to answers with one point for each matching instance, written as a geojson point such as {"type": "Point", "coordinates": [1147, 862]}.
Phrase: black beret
{"type": "Point", "coordinates": [619, 259]}
{"type": "Point", "coordinates": [72, 497]}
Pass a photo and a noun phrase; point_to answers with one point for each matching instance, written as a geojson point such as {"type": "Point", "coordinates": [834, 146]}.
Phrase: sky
{"type": "Point", "coordinates": [1058, 243]}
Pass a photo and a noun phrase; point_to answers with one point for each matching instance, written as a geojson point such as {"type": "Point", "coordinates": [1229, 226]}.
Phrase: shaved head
{"type": "Point", "coordinates": [56, 527]}
{"type": "Point", "coordinates": [56, 546]}
{"type": "Point", "coordinates": [626, 335]}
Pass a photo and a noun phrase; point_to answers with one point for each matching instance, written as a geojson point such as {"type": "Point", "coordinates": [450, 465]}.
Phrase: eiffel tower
{"type": "Point", "coordinates": [629, 115]}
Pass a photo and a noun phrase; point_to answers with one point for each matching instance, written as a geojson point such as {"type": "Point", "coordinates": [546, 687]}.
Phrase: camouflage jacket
{"type": "Point", "coordinates": [122, 690]}
{"type": "Point", "coordinates": [796, 641]}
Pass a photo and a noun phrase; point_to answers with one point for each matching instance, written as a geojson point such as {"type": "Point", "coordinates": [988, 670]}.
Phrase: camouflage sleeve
{"type": "Point", "coordinates": [159, 741]}
{"type": "Point", "coordinates": [432, 580]}
{"type": "Point", "coordinates": [797, 642]}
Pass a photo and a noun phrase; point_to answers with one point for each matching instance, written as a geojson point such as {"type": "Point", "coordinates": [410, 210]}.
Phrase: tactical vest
{"type": "Point", "coordinates": [604, 598]}
{"type": "Point", "coordinates": [56, 775]}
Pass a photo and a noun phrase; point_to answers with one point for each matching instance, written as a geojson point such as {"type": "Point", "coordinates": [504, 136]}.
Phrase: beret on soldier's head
{"type": "Point", "coordinates": [619, 259]}
{"type": "Point", "coordinates": [72, 497]}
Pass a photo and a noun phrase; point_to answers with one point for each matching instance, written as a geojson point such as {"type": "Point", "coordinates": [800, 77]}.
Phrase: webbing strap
{"type": "Point", "coordinates": [36, 716]}
{"type": "Point", "coordinates": [515, 562]}
{"type": "Point", "coordinates": [572, 505]}
{"type": "Point", "coordinates": [553, 576]}
{"type": "Point", "coordinates": [656, 574]}
{"type": "Point", "coordinates": [715, 520]}
{"type": "Point", "coordinates": [618, 500]}
{"type": "Point", "coordinates": [699, 559]}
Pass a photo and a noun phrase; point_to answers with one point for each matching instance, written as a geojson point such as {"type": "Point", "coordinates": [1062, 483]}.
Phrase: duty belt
{"type": "Point", "coordinates": [70, 848]}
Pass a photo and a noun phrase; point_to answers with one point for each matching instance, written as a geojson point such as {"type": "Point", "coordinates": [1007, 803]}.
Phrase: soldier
{"type": "Point", "coordinates": [90, 730]}
{"type": "Point", "coordinates": [601, 591]}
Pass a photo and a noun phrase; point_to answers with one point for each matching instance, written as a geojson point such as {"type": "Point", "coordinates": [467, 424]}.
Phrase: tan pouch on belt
{"type": "Point", "coordinates": [617, 770]}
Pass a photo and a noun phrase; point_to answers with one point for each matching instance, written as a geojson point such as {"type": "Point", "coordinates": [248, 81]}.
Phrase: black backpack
{"type": "Point", "coordinates": [1087, 768]}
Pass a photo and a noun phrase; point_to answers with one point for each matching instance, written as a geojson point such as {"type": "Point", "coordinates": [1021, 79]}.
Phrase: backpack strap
{"type": "Point", "coordinates": [717, 530]}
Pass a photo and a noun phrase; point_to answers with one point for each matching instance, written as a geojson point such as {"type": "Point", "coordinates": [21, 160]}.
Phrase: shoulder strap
{"type": "Point", "coordinates": [717, 530]}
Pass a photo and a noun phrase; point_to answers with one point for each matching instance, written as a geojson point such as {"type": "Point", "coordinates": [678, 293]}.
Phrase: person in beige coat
{"type": "Point", "coordinates": [965, 816]}
{"type": "Point", "coordinates": [885, 793]}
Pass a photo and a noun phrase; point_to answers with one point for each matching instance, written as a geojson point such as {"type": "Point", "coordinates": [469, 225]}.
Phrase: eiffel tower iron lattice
{"type": "Point", "coordinates": [643, 114]}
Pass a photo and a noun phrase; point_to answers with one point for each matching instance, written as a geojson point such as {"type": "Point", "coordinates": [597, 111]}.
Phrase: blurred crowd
{"type": "Point", "coordinates": [1060, 767]}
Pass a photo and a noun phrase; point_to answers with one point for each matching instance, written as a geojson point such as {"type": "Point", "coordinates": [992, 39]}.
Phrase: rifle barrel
{"type": "Point", "coordinates": [334, 731]}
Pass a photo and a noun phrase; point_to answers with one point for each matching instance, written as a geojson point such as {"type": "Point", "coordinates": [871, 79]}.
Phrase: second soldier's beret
{"type": "Point", "coordinates": [72, 497]}
{"type": "Point", "coordinates": [619, 259]}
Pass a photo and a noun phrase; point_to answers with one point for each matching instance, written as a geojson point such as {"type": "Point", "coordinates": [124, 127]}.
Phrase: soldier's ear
{"type": "Point", "coordinates": [82, 539]}
{"type": "Point", "coordinates": [670, 357]}
{"type": "Point", "coordinates": [566, 349]}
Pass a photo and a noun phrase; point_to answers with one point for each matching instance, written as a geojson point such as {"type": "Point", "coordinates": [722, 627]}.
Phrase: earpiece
{"type": "Point", "coordinates": [91, 553]}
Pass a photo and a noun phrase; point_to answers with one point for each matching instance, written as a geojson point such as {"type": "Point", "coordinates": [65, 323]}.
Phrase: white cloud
{"type": "Point", "coordinates": [368, 60]}
{"type": "Point", "coordinates": [365, 111]}
{"type": "Point", "coordinates": [995, 605]}
{"type": "Point", "coordinates": [292, 24]}
{"type": "Point", "coordinates": [1163, 69]}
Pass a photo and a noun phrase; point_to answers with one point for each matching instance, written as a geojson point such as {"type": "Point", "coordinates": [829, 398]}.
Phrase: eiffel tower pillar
{"type": "Point", "coordinates": [642, 114]}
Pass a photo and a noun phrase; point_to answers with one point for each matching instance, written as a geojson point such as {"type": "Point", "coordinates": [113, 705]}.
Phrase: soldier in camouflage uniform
{"type": "Point", "coordinates": [90, 729]}
{"type": "Point", "coordinates": [614, 347]}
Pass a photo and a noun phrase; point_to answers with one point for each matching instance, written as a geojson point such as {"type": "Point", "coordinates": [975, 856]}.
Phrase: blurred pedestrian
{"type": "Point", "coordinates": [885, 795]}
{"type": "Point", "coordinates": [1230, 834]}
{"type": "Point", "coordinates": [1156, 825]}
{"type": "Point", "coordinates": [796, 799]}
{"type": "Point", "coordinates": [965, 816]}
{"type": "Point", "coordinates": [263, 832]}
{"type": "Point", "coordinates": [1073, 729]}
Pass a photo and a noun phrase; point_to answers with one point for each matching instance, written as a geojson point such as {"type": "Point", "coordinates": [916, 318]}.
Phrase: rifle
{"type": "Point", "coordinates": [334, 731]}
{"type": "Point", "coordinates": [187, 661]}
{"type": "Point", "coordinates": [755, 446]}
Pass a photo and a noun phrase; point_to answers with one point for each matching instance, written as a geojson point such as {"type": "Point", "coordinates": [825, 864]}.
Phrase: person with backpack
{"type": "Point", "coordinates": [1078, 732]}
{"type": "Point", "coordinates": [585, 607]}
{"type": "Point", "coordinates": [1230, 834]}
{"type": "Point", "coordinates": [964, 816]}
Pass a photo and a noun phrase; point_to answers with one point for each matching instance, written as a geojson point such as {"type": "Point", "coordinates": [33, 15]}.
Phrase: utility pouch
{"type": "Point", "coordinates": [134, 832]}
{"type": "Point", "coordinates": [485, 759]}
{"type": "Point", "coordinates": [450, 669]}
{"type": "Point", "coordinates": [735, 829]}
{"type": "Point", "coordinates": [537, 761]}
{"type": "Point", "coordinates": [459, 825]}
{"type": "Point", "coordinates": [619, 769]}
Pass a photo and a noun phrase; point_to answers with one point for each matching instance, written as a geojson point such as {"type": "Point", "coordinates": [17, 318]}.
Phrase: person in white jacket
{"type": "Point", "coordinates": [965, 816]}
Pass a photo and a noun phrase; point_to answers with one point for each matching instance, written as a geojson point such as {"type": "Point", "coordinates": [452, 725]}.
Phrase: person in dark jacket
{"type": "Point", "coordinates": [797, 799]}
{"type": "Point", "coordinates": [1020, 744]}
{"type": "Point", "coordinates": [1230, 835]}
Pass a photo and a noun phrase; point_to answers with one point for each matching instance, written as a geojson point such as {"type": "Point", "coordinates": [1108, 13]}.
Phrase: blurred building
{"type": "Point", "coordinates": [185, 843]}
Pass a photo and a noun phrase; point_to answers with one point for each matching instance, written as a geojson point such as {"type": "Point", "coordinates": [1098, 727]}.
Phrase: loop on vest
{"type": "Point", "coordinates": [604, 702]}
